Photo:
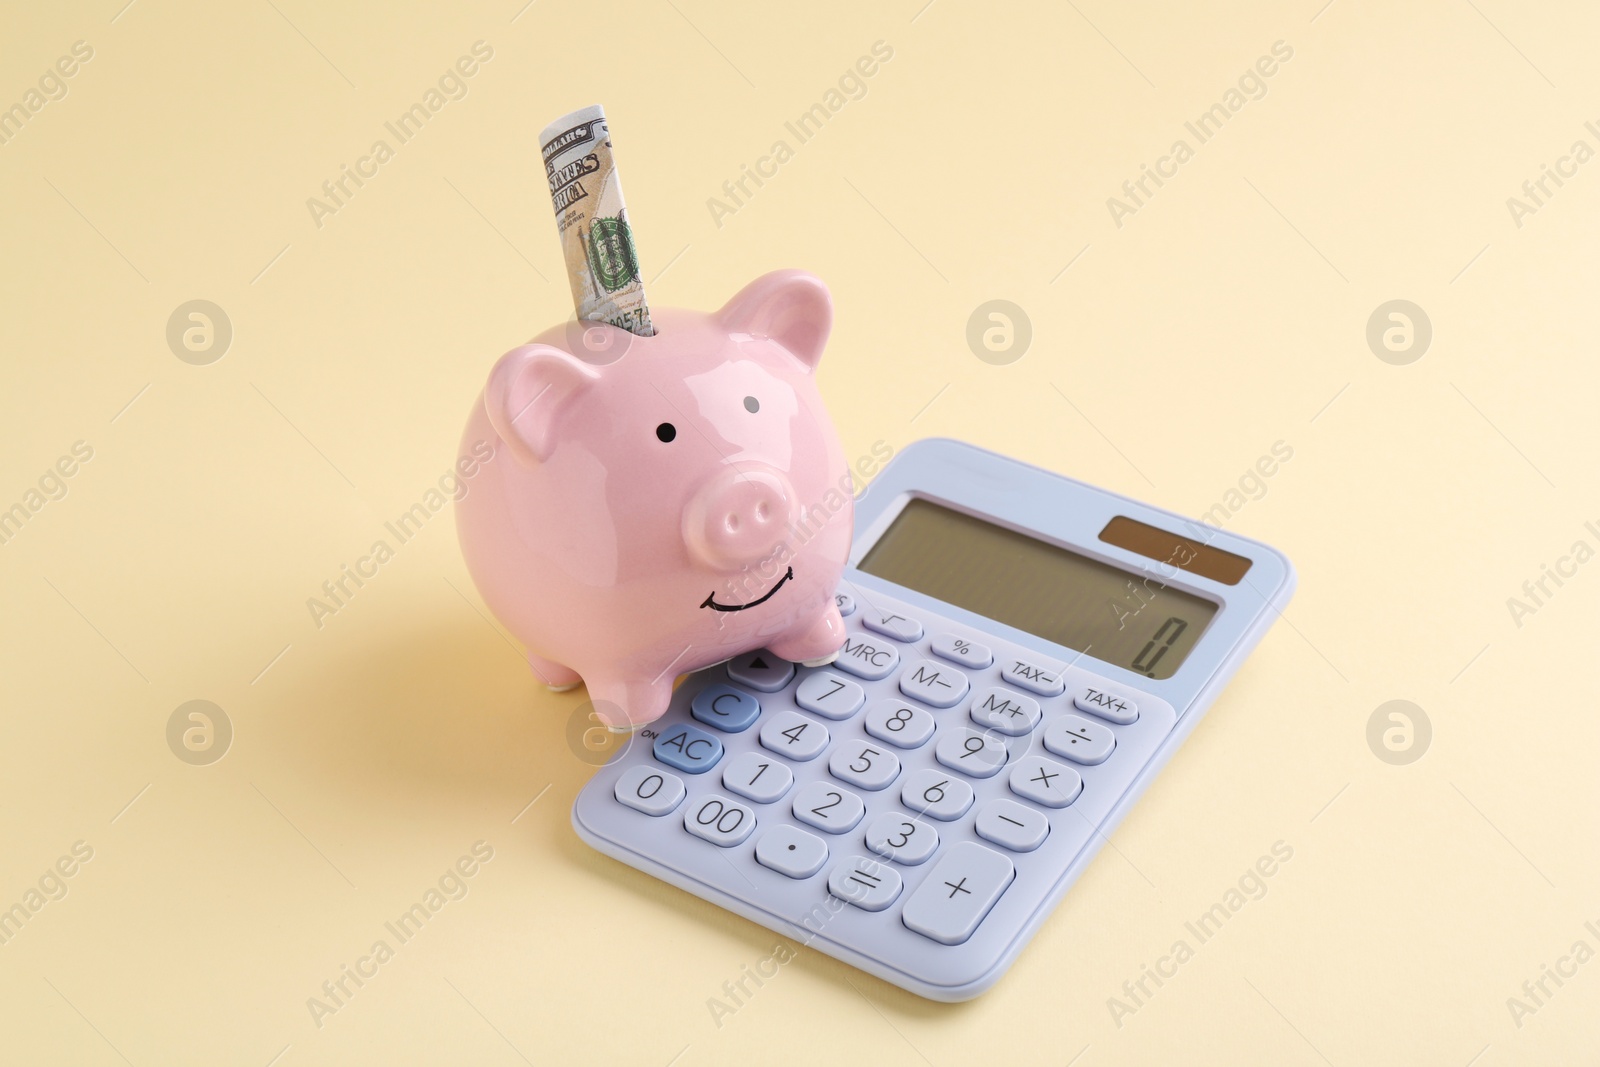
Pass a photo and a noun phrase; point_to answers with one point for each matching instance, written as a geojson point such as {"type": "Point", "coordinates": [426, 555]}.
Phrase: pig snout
{"type": "Point", "coordinates": [739, 516]}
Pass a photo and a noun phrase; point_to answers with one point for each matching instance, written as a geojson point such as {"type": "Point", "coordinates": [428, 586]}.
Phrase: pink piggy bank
{"type": "Point", "coordinates": [666, 504]}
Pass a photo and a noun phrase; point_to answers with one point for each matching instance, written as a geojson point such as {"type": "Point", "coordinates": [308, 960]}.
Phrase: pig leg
{"type": "Point", "coordinates": [817, 643]}
{"type": "Point", "coordinates": [553, 674]}
{"type": "Point", "coordinates": [629, 704]}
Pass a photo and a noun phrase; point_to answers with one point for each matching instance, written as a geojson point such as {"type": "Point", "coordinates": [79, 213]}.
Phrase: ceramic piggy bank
{"type": "Point", "coordinates": [660, 504]}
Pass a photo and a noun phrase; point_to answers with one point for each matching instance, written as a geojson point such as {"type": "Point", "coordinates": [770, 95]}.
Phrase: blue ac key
{"type": "Point", "coordinates": [725, 707]}
{"type": "Point", "coordinates": [688, 748]}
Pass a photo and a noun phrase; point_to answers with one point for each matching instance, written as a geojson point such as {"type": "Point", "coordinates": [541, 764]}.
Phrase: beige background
{"type": "Point", "coordinates": [1227, 314]}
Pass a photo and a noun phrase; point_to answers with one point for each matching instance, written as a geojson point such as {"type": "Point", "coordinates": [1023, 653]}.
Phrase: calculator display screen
{"type": "Point", "coordinates": [1123, 618]}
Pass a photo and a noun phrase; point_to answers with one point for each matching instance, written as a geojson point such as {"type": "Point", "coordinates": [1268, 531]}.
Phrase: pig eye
{"type": "Point", "coordinates": [666, 431]}
{"type": "Point", "coordinates": [752, 405]}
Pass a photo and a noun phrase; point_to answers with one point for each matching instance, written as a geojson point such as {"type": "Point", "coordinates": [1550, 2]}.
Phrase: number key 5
{"type": "Point", "coordinates": [866, 765]}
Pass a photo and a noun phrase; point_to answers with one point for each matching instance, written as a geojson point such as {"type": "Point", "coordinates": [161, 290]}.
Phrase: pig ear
{"type": "Point", "coordinates": [789, 306]}
{"type": "Point", "coordinates": [528, 391]}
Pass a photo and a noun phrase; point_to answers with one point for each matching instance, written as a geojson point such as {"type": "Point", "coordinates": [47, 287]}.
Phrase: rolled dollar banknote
{"type": "Point", "coordinates": [592, 221]}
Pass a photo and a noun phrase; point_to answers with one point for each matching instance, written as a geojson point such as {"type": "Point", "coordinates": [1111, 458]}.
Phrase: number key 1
{"type": "Point", "coordinates": [758, 777]}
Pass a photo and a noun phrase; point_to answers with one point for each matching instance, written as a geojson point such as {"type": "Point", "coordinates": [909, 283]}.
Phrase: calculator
{"type": "Point", "coordinates": [1024, 653]}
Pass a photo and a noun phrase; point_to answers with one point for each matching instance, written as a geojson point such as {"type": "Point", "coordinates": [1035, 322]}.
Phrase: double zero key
{"type": "Point", "coordinates": [719, 820]}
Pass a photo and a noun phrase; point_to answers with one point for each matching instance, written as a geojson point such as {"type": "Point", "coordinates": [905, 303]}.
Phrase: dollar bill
{"type": "Point", "coordinates": [592, 221]}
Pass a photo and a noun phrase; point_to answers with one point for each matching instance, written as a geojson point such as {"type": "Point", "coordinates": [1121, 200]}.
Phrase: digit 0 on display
{"type": "Point", "coordinates": [1133, 620]}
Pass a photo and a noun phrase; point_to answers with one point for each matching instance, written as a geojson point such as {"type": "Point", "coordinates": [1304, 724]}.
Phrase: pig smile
{"type": "Point", "coordinates": [711, 598]}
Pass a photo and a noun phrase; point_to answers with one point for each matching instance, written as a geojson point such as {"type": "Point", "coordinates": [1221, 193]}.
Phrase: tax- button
{"type": "Point", "coordinates": [725, 707]}
{"type": "Point", "coordinates": [1034, 677]}
{"type": "Point", "coordinates": [688, 748]}
{"type": "Point", "coordinates": [943, 687]}
{"type": "Point", "coordinates": [867, 657]}
{"type": "Point", "coordinates": [891, 625]}
{"type": "Point", "coordinates": [1106, 704]}
{"type": "Point", "coordinates": [950, 903]}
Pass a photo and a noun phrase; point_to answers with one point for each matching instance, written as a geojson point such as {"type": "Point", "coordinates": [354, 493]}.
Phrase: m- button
{"type": "Point", "coordinates": [943, 687]}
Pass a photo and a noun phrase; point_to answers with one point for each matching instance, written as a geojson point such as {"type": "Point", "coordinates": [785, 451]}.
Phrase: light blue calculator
{"type": "Point", "coordinates": [1025, 653]}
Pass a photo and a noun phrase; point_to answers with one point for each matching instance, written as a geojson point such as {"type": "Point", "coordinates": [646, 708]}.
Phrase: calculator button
{"type": "Point", "coordinates": [846, 603]}
{"type": "Point", "coordinates": [721, 821]}
{"type": "Point", "coordinates": [902, 838]}
{"type": "Point", "coordinates": [791, 851]}
{"type": "Point", "coordinates": [761, 671]}
{"type": "Point", "coordinates": [1080, 740]}
{"type": "Point", "coordinates": [867, 657]}
{"type": "Point", "coordinates": [757, 777]}
{"type": "Point", "coordinates": [791, 734]}
{"type": "Point", "coordinates": [688, 748]}
{"type": "Point", "coordinates": [899, 723]}
{"type": "Point", "coordinates": [948, 906]}
{"type": "Point", "coordinates": [1034, 677]}
{"type": "Point", "coordinates": [943, 687]}
{"type": "Point", "coordinates": [1044, 781]}
{"type": "Point", "coordinates": [960, 650]}
{"type": "Point", "coordinates": [864, 764]}
{"type": "Point", "coordinates": [1001, 709]}
{"type": "Point", "coordinates": [891, 625]}
{"type": "Point", "coordinates": [1010, 825]}
{"type": "Point", "coordinates": [828, 808]}
{"type": "Point", "coordinates": [829, 695]}
{"type": "Point", "coordinates": [970, 752]}
{"type": "Point", "coordinates": [725, 707]}
{"type": "Point", "coordinates": [870, 885]}
{"type": "Point", "coordinates": [1106, 704]}
{"type": "Point", "coordinates": [643, 788]}
{"type": "Point", "coordinates": [936, 795]}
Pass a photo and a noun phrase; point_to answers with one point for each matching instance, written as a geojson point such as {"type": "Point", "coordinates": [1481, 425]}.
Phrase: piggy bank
{"type": "Point", "coordinates": [660, 504]}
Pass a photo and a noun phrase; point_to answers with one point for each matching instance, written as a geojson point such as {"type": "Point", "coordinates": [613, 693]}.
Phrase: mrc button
{"type": "Point", "coordinates": [867, 657]}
